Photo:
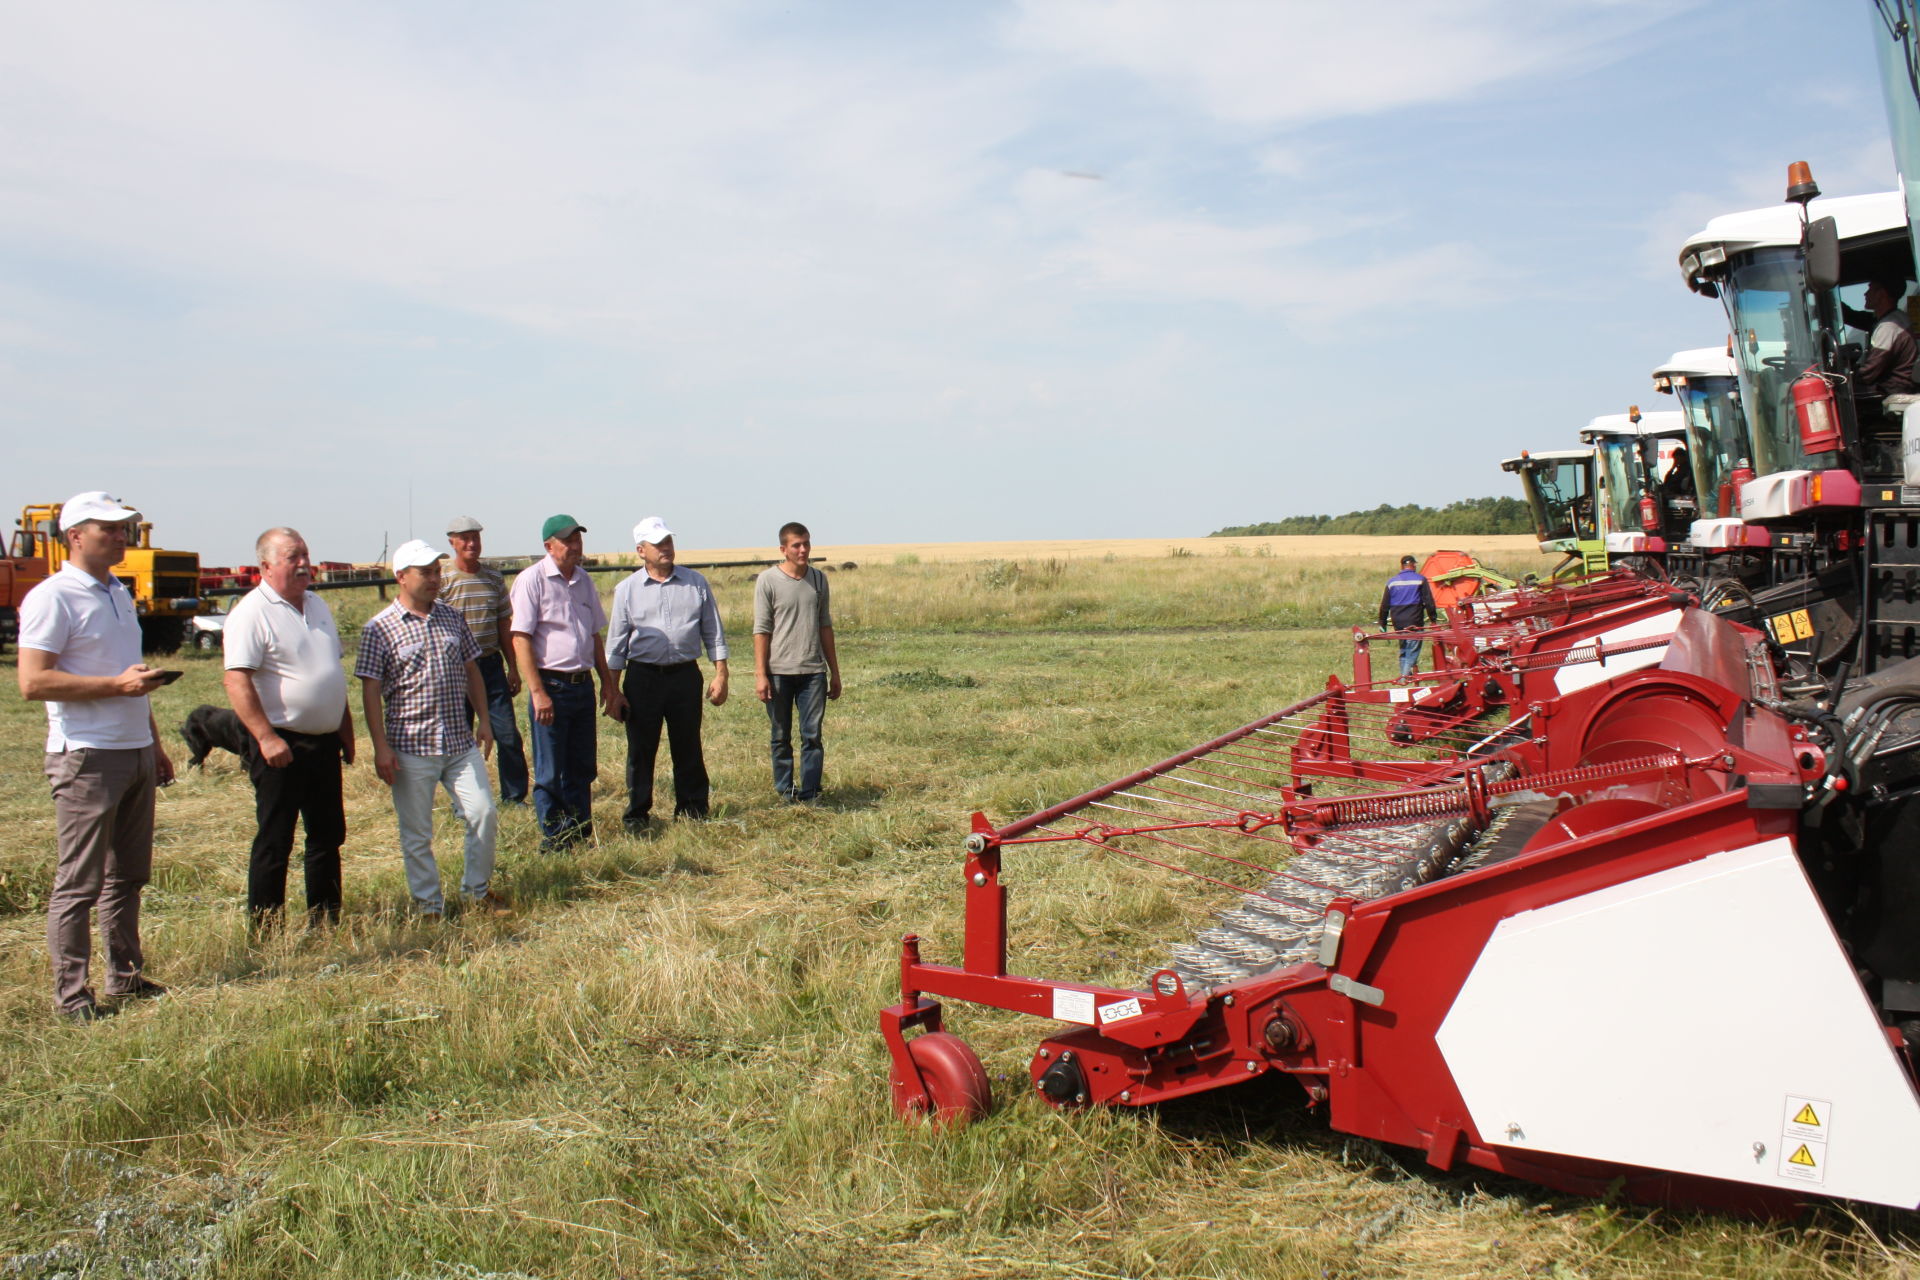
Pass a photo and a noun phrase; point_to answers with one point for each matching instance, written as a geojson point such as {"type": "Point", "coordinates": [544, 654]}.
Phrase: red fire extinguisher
{"type": "Point", "coordinates": [1736, 481]}
{"type": "Point", "coordinates": [1649, 514]}
{"type": "Point", "coordinates": [1819, 421]}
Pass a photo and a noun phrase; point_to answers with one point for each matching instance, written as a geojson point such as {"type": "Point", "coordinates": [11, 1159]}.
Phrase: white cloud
{"type": "Point", "coordinates": [1290, 62]}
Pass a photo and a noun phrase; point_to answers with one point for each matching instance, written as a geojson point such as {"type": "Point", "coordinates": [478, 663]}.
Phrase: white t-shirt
{"type": "Point", "coordinates": [294, 655]}
{"type": "Point", "coordinates": [92, 630]}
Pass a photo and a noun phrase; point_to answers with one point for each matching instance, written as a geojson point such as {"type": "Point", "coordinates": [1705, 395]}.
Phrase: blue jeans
{"type": "Point", "coordinates": [809, 694]}
{"type": "Point", "coordinates": [564, 762]}
{"type": "Point", "coordinates": [507, 752]}
{"type": "Point", "coordinates": [1409, 656]}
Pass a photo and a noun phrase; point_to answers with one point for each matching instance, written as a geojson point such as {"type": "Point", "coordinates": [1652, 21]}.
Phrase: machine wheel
{"type": "Point", "coordinates": [205, 640]}
{"type": "Point", "coordinates": [954, 1077]}
{"type": "Point", "coordinates": [162, 635]}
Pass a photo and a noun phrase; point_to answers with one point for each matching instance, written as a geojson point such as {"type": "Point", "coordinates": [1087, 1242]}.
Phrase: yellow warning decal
{"type": "Point", "coordinates": [1802, 1156]}
{"type": "Point", "coordinates": [1782, 628]}
{"type": "Point", "coordinates": [1806, 1116]}
{"type": "Point", "coordinates": [1802, 624]}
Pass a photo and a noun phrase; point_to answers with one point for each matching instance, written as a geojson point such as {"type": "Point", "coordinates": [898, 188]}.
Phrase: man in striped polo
{"type": "Point", "coordinates": [478, 593]}
{"type": "Point", "coordinates": [418, 682]}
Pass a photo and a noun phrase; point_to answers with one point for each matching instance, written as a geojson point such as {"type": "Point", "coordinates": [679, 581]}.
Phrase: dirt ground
{"type": "Point", "coordinates": [1503, 548]}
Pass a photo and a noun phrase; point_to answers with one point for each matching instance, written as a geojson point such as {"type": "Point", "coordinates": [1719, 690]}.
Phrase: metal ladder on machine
{"type": "Point", "coordinates": [1892, 587]}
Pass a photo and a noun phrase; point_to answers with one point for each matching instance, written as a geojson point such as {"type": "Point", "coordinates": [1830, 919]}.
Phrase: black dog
{"type": "Point", "coordinates": [209, 727]}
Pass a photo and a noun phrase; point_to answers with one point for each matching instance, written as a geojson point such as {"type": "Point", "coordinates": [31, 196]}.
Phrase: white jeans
{"type": "Point", "coordinates": [465, 778]}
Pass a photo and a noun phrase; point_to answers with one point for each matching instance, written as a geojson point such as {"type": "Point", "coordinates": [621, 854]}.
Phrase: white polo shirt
{"type": "Point", "coordinates": [91, 629]}
{"type": "Point", "coordinates": [294, 655]}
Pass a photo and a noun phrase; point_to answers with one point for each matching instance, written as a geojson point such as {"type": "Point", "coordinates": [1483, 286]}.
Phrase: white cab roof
{"type": "Point", "coordinates": [1545, 455]}
{"type": "Point", "coordinates": [1663, 423]}
{"type": "Point", "coordinates": [1779, 224]}
{"type": "Point", "coordinates": [1701, 362]}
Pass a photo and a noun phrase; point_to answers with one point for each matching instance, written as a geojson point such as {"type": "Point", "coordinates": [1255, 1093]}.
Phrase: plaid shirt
{"type": "Point", "coordinates": [421, 664]}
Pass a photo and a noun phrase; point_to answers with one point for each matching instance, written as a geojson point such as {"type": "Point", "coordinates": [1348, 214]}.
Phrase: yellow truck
{"type": "Point", "coordinates": [165, 585]}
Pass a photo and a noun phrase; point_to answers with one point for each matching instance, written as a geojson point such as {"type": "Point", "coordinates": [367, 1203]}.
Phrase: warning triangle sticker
{"type": "Point", "coordinates": [1802, 1157]}
{"type": "Point", "coordinates": [1806, 1115]}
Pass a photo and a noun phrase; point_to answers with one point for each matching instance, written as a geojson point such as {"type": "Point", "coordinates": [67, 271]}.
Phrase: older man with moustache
{"type": "Point", "coordinates": [662, 616]}
{"type": "Point", "coordinates": [80, 654]}
{"type": "Point", "coordinates": [286, 684]}
{"type": "Point", "coordinates": [556, 625]}
{"type": "Point", "coordinates": [420, 687]}
{"type": "Point", "coordinates": [479, 594]}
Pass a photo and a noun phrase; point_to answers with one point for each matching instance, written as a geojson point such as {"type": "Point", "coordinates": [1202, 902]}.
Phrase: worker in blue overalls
{"type": "Point", "coordinates": [1407, 602]}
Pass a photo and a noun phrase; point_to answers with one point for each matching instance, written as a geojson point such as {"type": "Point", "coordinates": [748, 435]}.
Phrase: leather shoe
{"type": "Point", "coordinates": [142, 989]}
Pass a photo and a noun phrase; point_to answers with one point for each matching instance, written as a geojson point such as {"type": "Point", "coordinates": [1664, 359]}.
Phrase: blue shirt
{"type": "Point", "coordinates": [663, 623]}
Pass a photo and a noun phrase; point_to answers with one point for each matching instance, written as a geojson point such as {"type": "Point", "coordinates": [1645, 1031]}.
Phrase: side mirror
{"type": "Point", "coordinates": [1823, 255]}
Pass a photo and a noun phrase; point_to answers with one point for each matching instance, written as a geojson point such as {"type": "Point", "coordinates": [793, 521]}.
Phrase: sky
{"type": "Point", "coordinates": [904, 272]}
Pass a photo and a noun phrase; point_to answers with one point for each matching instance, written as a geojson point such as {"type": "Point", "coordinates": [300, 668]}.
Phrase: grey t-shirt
{"type": "Point", "coordinates": [791, 611]}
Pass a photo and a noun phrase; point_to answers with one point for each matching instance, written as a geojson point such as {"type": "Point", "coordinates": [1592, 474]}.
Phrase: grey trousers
{"type": "Point", "coordinates": [103, 818]}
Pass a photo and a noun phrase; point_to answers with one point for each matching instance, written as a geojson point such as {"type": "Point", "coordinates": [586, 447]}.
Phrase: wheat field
{"type": "Point", "coordinates": [667, 1061]}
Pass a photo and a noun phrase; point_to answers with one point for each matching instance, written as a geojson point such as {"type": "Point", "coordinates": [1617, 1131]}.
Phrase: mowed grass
{"type": "Point", "coordinates": [668, 1063]}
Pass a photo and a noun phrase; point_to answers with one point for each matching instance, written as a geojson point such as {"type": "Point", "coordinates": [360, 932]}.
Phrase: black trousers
{"type": "Point", "coordinates": [307, 791]}
{"type": "Point", "coordinates": [669, 696]}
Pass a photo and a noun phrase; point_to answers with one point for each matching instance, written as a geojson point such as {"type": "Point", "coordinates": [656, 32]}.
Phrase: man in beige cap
{"type": "Point", "coordinates": [478, 593]}
{"type": "Point", "coordinates": [80, 654]}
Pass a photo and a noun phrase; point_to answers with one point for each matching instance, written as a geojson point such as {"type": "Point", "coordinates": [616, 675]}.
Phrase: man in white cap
{"type": "Point", "coordinates": [478, 593]}
{"type": "Point", "coordinates": [419, 678]}
{"type": "Point", "coordinates": [80, 654]}
{"type": "Point", "coordinates": [285, 682]}
{"type": "Point", "coordinates": [662, 616]}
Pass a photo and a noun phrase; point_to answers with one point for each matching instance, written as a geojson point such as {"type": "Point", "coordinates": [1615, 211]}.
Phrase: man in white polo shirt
{"type": "Point", "coordinates": [286, 684]}
{"type": "Point", "coordinates": [80, 654]}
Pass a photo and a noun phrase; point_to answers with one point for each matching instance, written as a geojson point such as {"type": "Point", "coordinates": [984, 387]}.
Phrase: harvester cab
{"type": "Point", "coordinates": [1706, 383]}
{"type": "Point", "coordinates": [1826, 478]}
{"type": "Point", "coordinates": [1562, 498]}
{"type": "Point", "coordinates": [1645, 486]}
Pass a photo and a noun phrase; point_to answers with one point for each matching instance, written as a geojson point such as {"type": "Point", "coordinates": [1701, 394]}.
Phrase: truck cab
{"type": "Point", "coordinates": [165, 585]}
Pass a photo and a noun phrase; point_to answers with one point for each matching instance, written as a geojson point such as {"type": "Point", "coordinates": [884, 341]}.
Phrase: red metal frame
{"type": "Point", "coordinates": [1675, 751]}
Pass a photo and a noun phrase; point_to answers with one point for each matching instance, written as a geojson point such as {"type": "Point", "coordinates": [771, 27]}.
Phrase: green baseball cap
{"type": "Point", "coordinates": [560, 527]}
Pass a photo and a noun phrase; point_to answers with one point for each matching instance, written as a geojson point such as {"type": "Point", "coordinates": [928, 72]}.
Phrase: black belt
{"type": "Point", "coordinates": [665, 666]}
{"type": "Point", "coordinates": [566, 677]}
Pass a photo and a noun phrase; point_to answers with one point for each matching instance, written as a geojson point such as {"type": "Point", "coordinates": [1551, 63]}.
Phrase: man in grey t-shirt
{"type": "Point", "coordinates": [794, 662]}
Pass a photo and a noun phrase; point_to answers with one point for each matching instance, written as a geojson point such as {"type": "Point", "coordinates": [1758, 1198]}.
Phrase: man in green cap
{"type": "Point", "coordinates": [557, 646]}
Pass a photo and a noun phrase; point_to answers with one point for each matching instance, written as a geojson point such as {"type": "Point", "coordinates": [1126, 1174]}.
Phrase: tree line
{"type": "Point", "coordinates": [1467, 516]}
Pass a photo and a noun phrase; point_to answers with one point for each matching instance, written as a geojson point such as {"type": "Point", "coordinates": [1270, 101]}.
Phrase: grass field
{"type": "Point", "coordinates": [667, 1062]}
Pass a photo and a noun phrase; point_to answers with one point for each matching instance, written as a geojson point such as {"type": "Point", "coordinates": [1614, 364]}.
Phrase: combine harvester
{"type": "Point", "coordinates": [1659, 932]}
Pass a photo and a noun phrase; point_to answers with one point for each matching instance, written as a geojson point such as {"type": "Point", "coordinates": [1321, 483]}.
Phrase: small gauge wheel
{"type": "Point", "coordinates": [954, 1078]}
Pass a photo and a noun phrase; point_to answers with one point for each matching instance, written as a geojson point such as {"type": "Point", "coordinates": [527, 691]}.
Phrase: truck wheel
{"type": "Point", "coordinates": [162, 635]}
{"type": "Point", "coordinates": [205, 640]}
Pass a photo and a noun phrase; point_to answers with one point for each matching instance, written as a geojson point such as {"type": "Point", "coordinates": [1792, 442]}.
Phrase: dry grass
{"type": "Point", "coordinates": [667, 1063]}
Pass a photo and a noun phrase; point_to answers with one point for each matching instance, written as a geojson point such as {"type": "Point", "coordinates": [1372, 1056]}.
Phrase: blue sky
{"type": "Point", "coordinates": [1087, 268]}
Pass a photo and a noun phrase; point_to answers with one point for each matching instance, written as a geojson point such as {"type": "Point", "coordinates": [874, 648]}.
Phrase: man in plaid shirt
{"type": "Point", "coordinates": [418, 678]}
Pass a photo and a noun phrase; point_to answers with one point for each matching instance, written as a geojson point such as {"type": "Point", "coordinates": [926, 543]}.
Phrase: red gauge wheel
{"type": "Point", "coordinates": [953, 1076]}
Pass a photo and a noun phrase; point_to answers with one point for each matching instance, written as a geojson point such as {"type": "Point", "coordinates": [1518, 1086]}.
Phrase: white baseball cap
{"type": "Point", "coordinates": [94, 505]}
{"type": "Point", "coordinates": [653, 529]}
{"type": "Point", "coordinates": [415, 554]}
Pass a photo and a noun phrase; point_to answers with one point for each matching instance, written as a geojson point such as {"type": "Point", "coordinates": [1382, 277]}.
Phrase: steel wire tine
{"type": "Point", "coordinates": [1250, 782]}
{"type": "Point", "coordinates": [1223, 857]}
{"type": "Point", "coordinates": [1229, 791]}
{"type": "Point", "coordinates": [1224, 884]}
{"type": "Point", "coordinates": [1171, 804]}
